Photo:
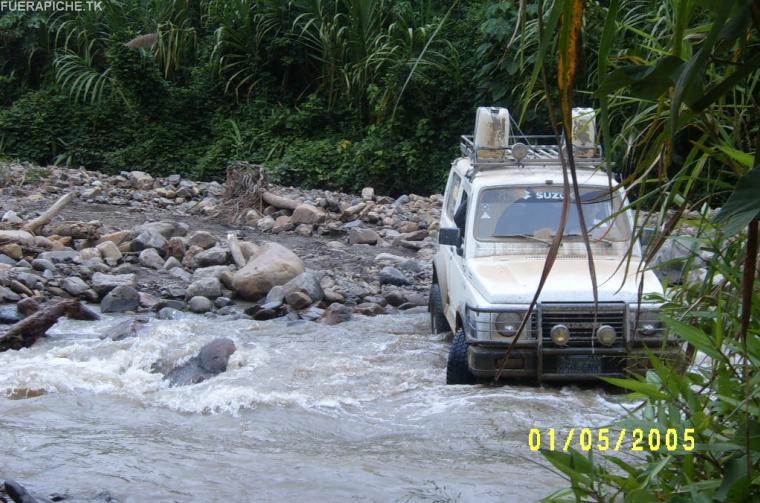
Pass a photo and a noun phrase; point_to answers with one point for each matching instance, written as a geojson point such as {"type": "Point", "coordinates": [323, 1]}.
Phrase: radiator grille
{"type": "Point", "coordinates": [581, 325]}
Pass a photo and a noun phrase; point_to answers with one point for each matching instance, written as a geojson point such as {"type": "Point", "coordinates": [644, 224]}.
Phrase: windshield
{"type": "Point", "coordinates": [534, 212]}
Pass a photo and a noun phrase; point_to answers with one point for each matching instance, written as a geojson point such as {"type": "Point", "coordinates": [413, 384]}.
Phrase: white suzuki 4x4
{"type": "Point", "coordinates": [501, 210]}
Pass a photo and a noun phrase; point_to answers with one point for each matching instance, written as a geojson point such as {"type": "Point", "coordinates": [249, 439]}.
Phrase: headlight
{"type": "Point", "coordinates": [649, 323]}
{"type": "Point", "coordinates": [506, 324]}
{"type": "Point", "coordinates": [497, 326]}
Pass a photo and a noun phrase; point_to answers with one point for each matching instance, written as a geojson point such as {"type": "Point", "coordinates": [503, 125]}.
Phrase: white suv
{"type": "Point", "coordinates": [501, 209]}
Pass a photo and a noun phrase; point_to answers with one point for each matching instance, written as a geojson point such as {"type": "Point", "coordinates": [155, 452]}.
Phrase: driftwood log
{"type": "Point", "coordinates": [279, 202]}
{"type": "Point", "coordinates": [24, 333]}
{"type": "Point", "coordinates": [48, 214]}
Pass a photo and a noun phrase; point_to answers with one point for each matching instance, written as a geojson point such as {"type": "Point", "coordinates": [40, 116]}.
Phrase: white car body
{"type": "Point", "coordinates": [490, 274]}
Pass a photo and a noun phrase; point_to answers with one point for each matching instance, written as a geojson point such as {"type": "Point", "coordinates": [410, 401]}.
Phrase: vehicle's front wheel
{"type": "Point", "coordinates": [438, 322]}
{"type": "Point", "coordinates": [457, 371]}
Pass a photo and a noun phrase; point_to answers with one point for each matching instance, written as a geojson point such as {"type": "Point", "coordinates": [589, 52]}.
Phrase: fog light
{"type": "Point", "coordinates": [606, 335]}
{"type": "Point", "coordinates": [560, 334]}
{"type": "Point", "coordinates": [648, 329]}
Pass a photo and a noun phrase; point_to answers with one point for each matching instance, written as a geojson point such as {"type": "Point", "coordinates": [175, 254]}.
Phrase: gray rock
{"type": "Point", "coordinates": [140, 180]}
{"type": "Point", "coordinates": [222, 302]}
{"type": "Point", "coordinates": [358, 235]}
{"type": "Point", "coordinates": [370, 309]}
{"type": "Point", "coordinates": [149, 257]}
{"type": "Point", "coordinates": [200, 304]}
{"type": "Point", "coordinates": [104, 283]}
{"type": "Point", "coordinates": [5, 259]}
{"type": "Point", "coordinates": [395, 298]}
{"type": "Point", "coordinates": [203, 239]}
{"type": "Point", "coordinates": [212, 256]}
{"type": "Point", "coordinates": [307, 214]}
{"type": "Point", "coordinates": [265, 224]}
{"type": "Point", "coordinates": [171, 263]}
{"type": "Point", "coordinates": [210, 361]}
{"type": "Point", "coordinates": [214, 271]}
{"type": "Point", "coordinates": [275, 295]}
{"type": "Point", "coordinates": [298, 299]}
{"type": "Point", "coordinates": [74, 285]}
{"type": "Point", "coordinates": [410, 266]}
{"type": "Point", "coordinates": [391, 276]}
{"type": "Point", "coordinates": [307, 283]}
{"type": "Point", "coordinates": [9, 295]}
{"type": "Point", "coordinates": [120, 299]}
{"type": "Point", "coordinates": [57, 257]}
{"type": "Point", "coordinates": [205, 287]}
{"type": "Point", "coordinates": [148, 239]}
{"type": "Point", "coordinates": [180, 273]}
{"type": "Point", "coordinates": [9, 315]}
{"type": "Point", "coordinates": [336, 313]}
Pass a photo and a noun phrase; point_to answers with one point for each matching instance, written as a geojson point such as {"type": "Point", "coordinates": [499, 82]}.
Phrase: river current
{"type": "Point", "coordinates": [354, 412]}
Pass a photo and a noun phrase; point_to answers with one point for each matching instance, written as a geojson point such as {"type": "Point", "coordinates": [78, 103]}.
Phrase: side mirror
{"type": "Point", "coordinates": [647, 234]}
{"type": "Point", "coordinates": [449, 236]}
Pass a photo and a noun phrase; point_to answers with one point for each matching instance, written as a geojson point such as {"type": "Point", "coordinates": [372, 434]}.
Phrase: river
{"type": "Point", "coordinates": [354, 412]}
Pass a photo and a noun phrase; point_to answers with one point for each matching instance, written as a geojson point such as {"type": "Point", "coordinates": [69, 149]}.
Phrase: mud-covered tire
{"type": "Point", "coordinates": [457, 371]}
{"type": "Point", "coordinates": [438, 322]}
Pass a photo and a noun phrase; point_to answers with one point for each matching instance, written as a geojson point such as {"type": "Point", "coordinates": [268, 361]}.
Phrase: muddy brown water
{"type": "Point", "coordinates": [355, 412]}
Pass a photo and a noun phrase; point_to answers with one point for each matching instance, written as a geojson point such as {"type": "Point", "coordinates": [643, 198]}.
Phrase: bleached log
{"type": "Point", "coordinates": [279, 201]}
{"type": "Point", "coordinates": [235, 251]}
{"type": "Point", "coordinates": [49, 213]}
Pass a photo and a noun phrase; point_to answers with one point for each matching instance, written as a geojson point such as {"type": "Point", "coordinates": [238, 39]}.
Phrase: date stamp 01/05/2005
{"type": "Point", "coordinates": [605, 439]}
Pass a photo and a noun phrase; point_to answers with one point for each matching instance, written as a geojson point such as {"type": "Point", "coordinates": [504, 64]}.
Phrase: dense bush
{"type": "Point", "coordinates": [311, 89]}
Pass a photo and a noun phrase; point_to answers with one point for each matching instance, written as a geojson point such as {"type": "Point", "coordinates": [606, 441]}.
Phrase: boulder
{"type": "Point", "coordinates": [21, 237]}
{"type": "Point", "coordinates": [140, 180]}
{"type": "Point", "coordinates": [206, 287]}
{"type": "Point", "coordinates": [203, 239]}
{"type": "Point", "coordinates": [358, 235]}
{"type": "Point", "coordinates": [307, 284]}
{"type": "Point", "coordinates": [307, 214]}
{"type": "Point", "coordinates": [104, 283]}
{"type": "Point", "coordinates": [110, 252]}
{"type": "Point", "coordinates": [282, 223]}
{"type": "Point", "coordinates": [391, 276]}
{"type": "Point", "coordinates": [368, 193]}
{"type": "Point", "coordinates": [200, 304]}
{"type": "Point", "coordinates": [149, 257]}
{"type": "Point", "coordinates": [213, 256]}
{"type": "Point", "coordinates": [74, 285]}
{"type": "Point", "coordinates": [149, 238]}
{"type": "Point", "coordinates": [265, 224]}
{"type": "Point", "coordinates": [336, 313]}
{"type": "Point", "coordinates": [59, 256]}
{"type": "Point", "coordinates": [273, 265]}
{"type": "Point", "coordinates": [210, 361]}
{"type": "Point", "coordinates": [120, 299]}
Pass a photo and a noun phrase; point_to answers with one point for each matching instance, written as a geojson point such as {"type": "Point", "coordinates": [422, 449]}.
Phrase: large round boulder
{"type": "Point", "coordinates": [272, 265]}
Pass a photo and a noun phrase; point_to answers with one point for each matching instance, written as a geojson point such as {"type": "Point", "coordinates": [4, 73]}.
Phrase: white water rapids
{"type": "Point", "coordinates": [355, 412]}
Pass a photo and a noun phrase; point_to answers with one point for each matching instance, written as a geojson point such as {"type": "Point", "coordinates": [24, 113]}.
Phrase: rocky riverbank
{"type": "Point", "coordinates": [134, 243]}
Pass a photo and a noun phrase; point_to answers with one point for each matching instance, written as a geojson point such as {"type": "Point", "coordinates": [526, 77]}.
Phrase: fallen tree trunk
{"type": "Point", "coordinates": [49, 213]}
{"type": "Point", "coordinates": [279, 202]}
{"type": "Point", "coordinates": [24, 333]}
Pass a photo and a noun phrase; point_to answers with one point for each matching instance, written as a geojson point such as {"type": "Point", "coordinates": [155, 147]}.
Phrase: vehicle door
{"type": "Point", "coordinates": [456, 256]}
{"type": "Point", "coordinates": [451, 199]}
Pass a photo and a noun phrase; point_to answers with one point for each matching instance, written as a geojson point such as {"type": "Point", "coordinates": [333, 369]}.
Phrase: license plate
{"type": "Point", "coordinates": [579, 364]}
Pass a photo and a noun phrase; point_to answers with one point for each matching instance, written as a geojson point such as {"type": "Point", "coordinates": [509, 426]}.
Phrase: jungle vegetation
{"type": "Point", "coordinates": [340, 94]}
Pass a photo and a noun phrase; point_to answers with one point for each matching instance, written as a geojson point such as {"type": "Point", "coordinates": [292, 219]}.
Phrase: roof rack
{"type": "Point", "coordinates": [525, 150]}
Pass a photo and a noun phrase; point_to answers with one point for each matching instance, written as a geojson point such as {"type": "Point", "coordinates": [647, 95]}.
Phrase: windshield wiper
{"type": "Point", "coordinates": [596, 240]}
{"type": "Point", "coordinates": [527, 236]}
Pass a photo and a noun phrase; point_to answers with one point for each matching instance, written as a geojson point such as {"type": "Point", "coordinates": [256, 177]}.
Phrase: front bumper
{"type": "Point", "coordinates": [543, 363]}
{"type": "Point", "coordinates": [536, 356]}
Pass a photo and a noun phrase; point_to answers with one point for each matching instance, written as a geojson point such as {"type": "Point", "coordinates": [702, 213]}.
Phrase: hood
{"type": "Point", "coordinates": [514, 280]}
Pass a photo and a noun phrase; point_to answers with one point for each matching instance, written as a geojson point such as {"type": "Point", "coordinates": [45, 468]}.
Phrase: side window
{"type": "Point", "coordinates": [455, 185]}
